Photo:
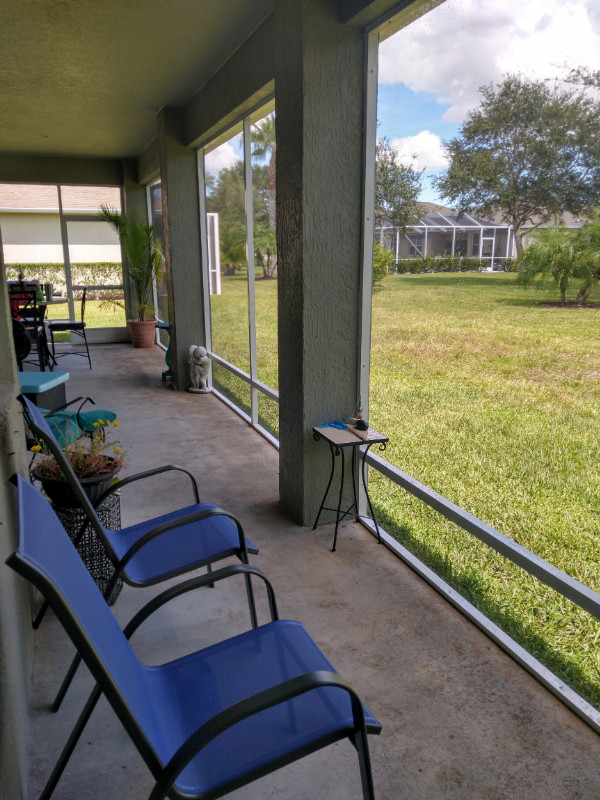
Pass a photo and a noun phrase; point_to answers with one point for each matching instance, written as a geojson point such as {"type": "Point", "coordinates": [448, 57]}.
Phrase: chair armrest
{"type": "Point", "coordinates": [198, 582]}
{"type": "Point", "coordinates": [70, 403]}
{"type": "Point", "coordinates": [248, 707]}
{"type": "Point", "coordinates": [148, 474]}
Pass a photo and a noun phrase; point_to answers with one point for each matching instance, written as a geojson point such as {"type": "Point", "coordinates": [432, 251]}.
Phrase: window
{"type": "Point", "coordinates": [238, 171]}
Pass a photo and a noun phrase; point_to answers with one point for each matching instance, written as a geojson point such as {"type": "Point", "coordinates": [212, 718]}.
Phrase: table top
{"type": "Point", "coordinates": [350, 437]}
{"type": "Point", "coordinates": [39, 382]}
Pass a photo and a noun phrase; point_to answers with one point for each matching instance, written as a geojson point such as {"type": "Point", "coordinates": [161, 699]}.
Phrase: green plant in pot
{"type": "Point", "coordinates": [95, 460]}
{"type": "Point", "coordinates": [144, 264]}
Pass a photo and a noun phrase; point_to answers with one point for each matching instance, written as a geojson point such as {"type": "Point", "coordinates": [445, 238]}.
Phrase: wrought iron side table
{"type": "Point", "coordinates": [354, 439]}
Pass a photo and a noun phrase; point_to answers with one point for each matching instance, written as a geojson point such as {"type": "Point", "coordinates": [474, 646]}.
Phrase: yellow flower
{"type": "Point", "coordinates": [36, 448]}
{"type": "Point", "coordinates": [117, 450]}
{"type": "Point", "coordinates": [96, 424]}
{"type": "Point", "coordinates": [116, 423]}
{"type": "Point", "coordinates": [100, 422]}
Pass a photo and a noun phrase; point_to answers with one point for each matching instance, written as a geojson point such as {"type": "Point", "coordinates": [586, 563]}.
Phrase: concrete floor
{"type": "Point", "coordinates": [460, 718]}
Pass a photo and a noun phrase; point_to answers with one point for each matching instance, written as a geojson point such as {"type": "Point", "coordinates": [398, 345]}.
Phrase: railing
{"type": "Point", "coordinates": [564, 584]}
{"type": "Point", "coordinates": [255, 386]}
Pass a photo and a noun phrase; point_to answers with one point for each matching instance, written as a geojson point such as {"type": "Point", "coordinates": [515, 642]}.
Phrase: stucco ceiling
{"type": "Point", "coordinates": [87, 77]}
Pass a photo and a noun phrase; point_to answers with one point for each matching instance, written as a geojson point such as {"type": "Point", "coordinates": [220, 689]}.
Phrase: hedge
{"type": "Point", "coordinates": [446, 264]}
{"type": "Point", "coordinates": [96, 274]}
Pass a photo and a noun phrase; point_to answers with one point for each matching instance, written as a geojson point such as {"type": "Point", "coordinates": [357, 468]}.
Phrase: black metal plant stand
{"type": "Point", "coordinates": [339, 440]}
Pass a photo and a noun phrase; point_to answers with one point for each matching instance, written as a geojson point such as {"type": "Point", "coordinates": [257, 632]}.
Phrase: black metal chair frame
{"type": "Point", "coordinates": [109, 659]}
{"type": "Point", "coordinates": [76, 327]}
{"type": "Point", "coordinates": [24, 337]}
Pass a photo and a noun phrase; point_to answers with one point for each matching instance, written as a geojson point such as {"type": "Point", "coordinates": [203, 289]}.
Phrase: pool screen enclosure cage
{"type": "Point", "coordinates": [440, 234]}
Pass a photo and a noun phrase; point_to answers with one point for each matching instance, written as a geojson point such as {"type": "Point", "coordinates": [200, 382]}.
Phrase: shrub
{"type": "Point", "coordinates": [444, 263]}
{"type": "Point", "coordinates": [383, 262]}
{"type": "Point", "coordinates": [95, 274]}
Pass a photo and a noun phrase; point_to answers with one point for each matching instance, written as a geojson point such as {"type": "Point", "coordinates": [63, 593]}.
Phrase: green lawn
{"type": "Point", "coordinates": [491, 399]}
{"type": "Point", "coordinates": [95, 317]}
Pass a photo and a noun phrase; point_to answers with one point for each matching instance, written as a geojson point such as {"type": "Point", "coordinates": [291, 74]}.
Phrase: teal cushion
{"type": "Point", "coordinates": [87, 418]}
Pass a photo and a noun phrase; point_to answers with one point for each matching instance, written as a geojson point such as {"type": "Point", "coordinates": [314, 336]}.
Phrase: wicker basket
{"type": "Point", "coordinates": [90, 548]}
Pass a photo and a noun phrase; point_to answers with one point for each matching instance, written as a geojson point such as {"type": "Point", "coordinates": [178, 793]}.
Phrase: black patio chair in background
{"type": "Point", "coordinates": [76, 327]}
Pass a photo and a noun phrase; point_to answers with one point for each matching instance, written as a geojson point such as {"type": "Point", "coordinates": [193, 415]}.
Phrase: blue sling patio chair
{"type": "Point", "coordinates": [209, 722]}
{"type": "Point", "coordinates": [155, 550]}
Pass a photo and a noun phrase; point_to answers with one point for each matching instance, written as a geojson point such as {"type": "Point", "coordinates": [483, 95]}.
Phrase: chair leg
{"type": "Point", "coordinates": [70, 745]}
{"type": "Point", "coordinates": [87, 349]}
{"type": "Point", "coordinates": [67, 680]}
{"type": "Point", "coordinates": [40, 616]}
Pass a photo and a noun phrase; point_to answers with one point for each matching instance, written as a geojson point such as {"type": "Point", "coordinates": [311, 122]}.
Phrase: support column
{"type": "Point", "coordinates": [319, 84]}
{"type": "Point", "coordinates": [16, 635]}
{"type": "Point", "coordinates": [179, 182]}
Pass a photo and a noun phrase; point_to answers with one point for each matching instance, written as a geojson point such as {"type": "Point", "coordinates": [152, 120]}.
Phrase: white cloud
{"type": "Point", "coordinates": [425, 147]}
{"type": "Point", "coordinates": [220, 158]}
{"type": "Point", "coordinates": [460, 46]}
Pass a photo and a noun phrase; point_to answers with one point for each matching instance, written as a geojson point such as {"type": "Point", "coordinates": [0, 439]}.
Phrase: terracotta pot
{"type": "Point", "coordinates": [60, 494]}
{"type": "Point", "coordinates": [143, 332]}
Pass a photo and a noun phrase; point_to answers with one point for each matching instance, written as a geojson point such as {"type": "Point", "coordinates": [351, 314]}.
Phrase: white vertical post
{"type": "Point", "coordinates": [66, 258]}
{"type": "Point", "coordinates": [250, 263]}
{"type": "Point", "coordinates": [205, 257]}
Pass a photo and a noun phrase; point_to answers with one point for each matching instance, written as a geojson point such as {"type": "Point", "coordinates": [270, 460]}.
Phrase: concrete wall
{"type": "Point", "coordinates": [34, 238]}
{"type": "Point", "coordinates": [181, 214]}
{"type": "Point", "coordinates": [16, 635]}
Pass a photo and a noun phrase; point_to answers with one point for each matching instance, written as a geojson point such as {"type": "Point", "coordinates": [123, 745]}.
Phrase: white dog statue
{"type": "Point", "coordinates": [199, 364]}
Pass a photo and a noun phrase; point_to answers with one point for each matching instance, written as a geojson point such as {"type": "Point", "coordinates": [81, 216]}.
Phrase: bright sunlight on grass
{"type": "Point", "coordinates": [491, 399]}
{"type": "Point", "coordinates": [95, 317]}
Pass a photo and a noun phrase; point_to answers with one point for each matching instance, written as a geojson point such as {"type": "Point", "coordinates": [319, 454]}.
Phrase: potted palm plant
{"type": "Point", "coordinates": [145, 264]}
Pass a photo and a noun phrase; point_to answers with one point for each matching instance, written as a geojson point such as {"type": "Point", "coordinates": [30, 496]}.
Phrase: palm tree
{"type": "Point", "coordinates": [145, 261]}
{"type": "Point", "coordinates": [263, 145]}
{"type": "Point", "coordinates": [587, 259]}
{"type": "Point", "coordinates": [551, 253]}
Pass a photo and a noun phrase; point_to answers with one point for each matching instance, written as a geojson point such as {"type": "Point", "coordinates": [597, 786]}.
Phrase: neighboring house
{"type": "Point", "coordinates": [441, 231]}
{"type": "Point", "coordinates": [569, 220]}
{"type": "Point", "coordinates": [30, 224]}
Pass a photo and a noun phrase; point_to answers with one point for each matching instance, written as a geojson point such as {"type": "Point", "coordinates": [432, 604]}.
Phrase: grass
{"type": "Point", "coordinates": [491, 399]}
{"type": "Point", "coordinates": [95, 317]}
{"type": "Point", "coordinates": [229, 316]}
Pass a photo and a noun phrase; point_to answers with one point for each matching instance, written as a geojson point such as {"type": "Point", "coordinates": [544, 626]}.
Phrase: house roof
{"type": "Point", "coordinates": [440, 218]}
{"type": "Point", "coordinates": [29, 197]}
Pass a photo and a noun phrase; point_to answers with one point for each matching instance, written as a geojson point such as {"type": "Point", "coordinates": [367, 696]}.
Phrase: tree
{"type": "Point", "coordinates": [397, 188]}
{"type": "Point", "coordinates": [587, 258]}
{"type": "Point", "coordinates": [263, 145]}
{"type": "Point", "coordinates": [550, 254]}
{"type": "Point", "coordinates": [265, 250]}
{"type": "Point", "coordinates": [529, 153]}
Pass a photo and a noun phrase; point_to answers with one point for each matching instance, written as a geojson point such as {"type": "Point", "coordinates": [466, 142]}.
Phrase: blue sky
{"type": "Point", "coordinates": [430, 72]}
{"type": "Point", "coordinates": [401, 112]}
